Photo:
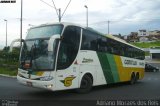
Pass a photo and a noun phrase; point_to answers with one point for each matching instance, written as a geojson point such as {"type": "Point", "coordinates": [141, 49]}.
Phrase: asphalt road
{"type": "Point", "coordinates": [146, 89]}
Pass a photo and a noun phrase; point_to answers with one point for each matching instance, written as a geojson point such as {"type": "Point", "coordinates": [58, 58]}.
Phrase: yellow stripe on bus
{"type": "Point", "coordinates": [125, 72]}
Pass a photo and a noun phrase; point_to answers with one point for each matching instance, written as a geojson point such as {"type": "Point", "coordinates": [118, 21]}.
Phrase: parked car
{"type": "Point", "coordinates": [151, 68]}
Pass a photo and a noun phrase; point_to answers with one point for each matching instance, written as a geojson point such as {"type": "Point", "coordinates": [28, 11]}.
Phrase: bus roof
{"type": "Point", "coordinates": [122, 41]}
{"type": "Point", "coordinates": [63, 23]}
{"type": "Point", "coordinates": [91, 29]}
{"type": "Point", "coordinates": [114, 38]}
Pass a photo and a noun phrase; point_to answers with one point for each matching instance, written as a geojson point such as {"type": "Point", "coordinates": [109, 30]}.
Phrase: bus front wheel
{"type": "Point", "coordinates": [86, 84]}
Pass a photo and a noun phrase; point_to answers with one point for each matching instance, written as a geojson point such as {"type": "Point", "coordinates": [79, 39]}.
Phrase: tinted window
{"type": "Point", "coordinates": [89, 40]}
{"type": "Point", "coordinates": [69, 47]}
{"type": "Point", "coordinates": [93, 41]}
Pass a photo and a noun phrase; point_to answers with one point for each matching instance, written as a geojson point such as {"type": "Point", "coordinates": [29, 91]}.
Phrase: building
{"type": "Point", "coordinates": [133, 37]}
{"type": "Point", "coordinates": [155, 52]}
{"type": "Point", "coordinates": [125, 37]}
{"type": "Point", "coordinates": [154, 33]}
{"type": "Point", "coordinates": [143, 39]}
{"type": "Point", "coordinates": [143, 33]}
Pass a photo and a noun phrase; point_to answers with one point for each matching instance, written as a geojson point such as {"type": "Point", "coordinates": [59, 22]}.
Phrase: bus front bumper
{"type": "Point", "coordinates": [37, 83]}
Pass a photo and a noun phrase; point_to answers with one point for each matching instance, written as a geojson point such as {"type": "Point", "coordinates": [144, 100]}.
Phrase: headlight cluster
{"type": "Point", "coordinates": [46, 78]}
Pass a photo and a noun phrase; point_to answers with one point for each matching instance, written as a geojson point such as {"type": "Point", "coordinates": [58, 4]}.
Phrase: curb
{"type": "Point", "coordinates": [8, 76]}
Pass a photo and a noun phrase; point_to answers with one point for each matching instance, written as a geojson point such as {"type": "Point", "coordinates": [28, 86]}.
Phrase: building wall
{"type": "Point", "coordinates": [143, 33]}
{"type": "Point", "coordinates": [155, 53]}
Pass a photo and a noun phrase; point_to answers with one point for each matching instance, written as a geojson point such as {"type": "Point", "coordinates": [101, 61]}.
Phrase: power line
{"type": "Point", "coordinates": [66, 8]}
{"type": "Point", "coordinates": [46, 3]}
{"type": "Point", "coordinates": [55, 8]}
{"type": "Point", "coordinates": [114, 21]}
{"type": "Point", "coordinates": [59, 10]}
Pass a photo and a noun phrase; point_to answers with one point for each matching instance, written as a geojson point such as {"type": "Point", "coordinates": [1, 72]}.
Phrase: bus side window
{"type": "Point", "coordinates": [89, 40]}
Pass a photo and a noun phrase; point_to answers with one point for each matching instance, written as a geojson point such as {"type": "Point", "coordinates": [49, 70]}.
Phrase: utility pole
{"type": "Point", "coordinates": [108, 26]}
{"type": "Point", "coordinates": [58, 11]}
{"type": "Point", "coordinates": [21, 23]}
{"type": "Point", "coordinates": [6, 31]}
{"type": "Point", "coordinates": [59, 14]}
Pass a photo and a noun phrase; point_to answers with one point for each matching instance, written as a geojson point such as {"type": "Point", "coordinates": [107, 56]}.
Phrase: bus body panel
{"type": "Point", "coordinates": [67, 78]}
{"type": "Point", "coordinates": [115, 69]}
{"type": "Point", "coordinates": [89, 63]}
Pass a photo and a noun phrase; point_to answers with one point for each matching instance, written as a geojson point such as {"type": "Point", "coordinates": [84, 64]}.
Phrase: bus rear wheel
{"type": "Point", "coordinates": [133, 79]}
{"type": "Point", "coordinates": [137, 77]}
{"type": "Point", "coordinates": [86, 84]}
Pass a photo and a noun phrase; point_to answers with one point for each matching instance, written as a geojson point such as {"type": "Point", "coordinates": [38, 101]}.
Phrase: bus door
{"type": "Point", "coordinates": [67, 69]}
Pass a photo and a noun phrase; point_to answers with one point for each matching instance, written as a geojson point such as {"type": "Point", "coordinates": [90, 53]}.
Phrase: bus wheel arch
{"type": "Point", "coordinates": [86, 83]}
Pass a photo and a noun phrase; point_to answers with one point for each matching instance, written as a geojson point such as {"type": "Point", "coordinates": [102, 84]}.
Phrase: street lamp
{"type": "Point", "coordinates": [6, 31]}
{"type": "Point", "coordinates": [86, 14]}
{"type": "Point", "coordinates": [108, 26]}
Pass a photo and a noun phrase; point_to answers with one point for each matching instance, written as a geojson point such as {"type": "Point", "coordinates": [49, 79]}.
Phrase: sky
{"type": "Point", "coordinates": [124, 16]}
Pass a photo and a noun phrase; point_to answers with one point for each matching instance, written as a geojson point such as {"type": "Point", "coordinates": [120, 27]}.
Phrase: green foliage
{"type": "Point", "coordinates": [147, 53]}
{"type": "Point", "coordinates": [9, 61]}
{"type": "Point", "coordinates": [6, 49]}
{"type": "Point", "coordinates": [8, 71]}
{"type": "Point", "coordinates": [146, 44]}
{"type": "Point", "coordinates": [9, 57]}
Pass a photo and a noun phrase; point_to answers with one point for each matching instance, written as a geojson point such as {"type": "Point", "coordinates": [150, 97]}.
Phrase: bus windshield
{"type": "Point", "coordinates": [35, 55]}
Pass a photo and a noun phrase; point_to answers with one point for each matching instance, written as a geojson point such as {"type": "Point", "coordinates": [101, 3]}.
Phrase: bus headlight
{"type": "Point", "coordinates": [49, 86]}
{"type": "Point", "coordinates": [46, 78]}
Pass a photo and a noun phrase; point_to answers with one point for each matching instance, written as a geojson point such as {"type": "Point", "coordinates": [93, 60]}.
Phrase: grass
{"type": "Point", "coordinates": [8, 67]}
{"type": "Point", "coordinates": [147, 53]}
{"type": "Point", "coordinates": [146, 44]}
{"type": "Point", "coordinates": [8, 71]}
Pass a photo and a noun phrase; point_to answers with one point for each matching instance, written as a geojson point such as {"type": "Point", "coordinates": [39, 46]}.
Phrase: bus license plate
{"type": "Point", "coordinates": [29, 83]}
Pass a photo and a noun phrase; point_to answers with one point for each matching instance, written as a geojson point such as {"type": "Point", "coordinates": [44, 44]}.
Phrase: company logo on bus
{"type": "Point", "coordinates": [68, 81]}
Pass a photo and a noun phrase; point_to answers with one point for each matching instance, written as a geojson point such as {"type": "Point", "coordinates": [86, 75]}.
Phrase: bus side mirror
{"type": "Point", "coordinates": [51, 41]}
{"type": "Point", "coordinates": [12, 43]}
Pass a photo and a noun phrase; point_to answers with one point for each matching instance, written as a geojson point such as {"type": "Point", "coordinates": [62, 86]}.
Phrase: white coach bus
{"type": "Point", "coordinates": [62, 56]}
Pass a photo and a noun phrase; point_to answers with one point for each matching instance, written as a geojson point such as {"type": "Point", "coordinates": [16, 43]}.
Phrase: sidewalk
{"type": "Point", "coordinates": [3, 75]}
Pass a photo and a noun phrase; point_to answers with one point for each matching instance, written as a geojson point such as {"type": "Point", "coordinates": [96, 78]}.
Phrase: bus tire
{"type": "Point", "coordinates": [133, 79]}
{"type": "Point", "coordinates": [86, 84]}
{"type": "Point", "coordinates": [137, 77]}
